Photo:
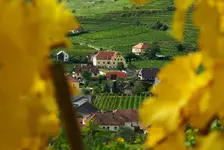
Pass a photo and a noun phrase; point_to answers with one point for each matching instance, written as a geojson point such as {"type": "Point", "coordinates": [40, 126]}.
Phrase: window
{"type": "Point", "coordinates": [103, 127]}
{"type": "Point", "coordinates": [113, 62]}
{"type": "Point", "coordinates": [98, 62]}
{"type": "Point", "coordinates": [115, 128]}
{"type": "Point", "coordinates": [108, 128]}
{"type": "Point", "coordinates": [95, 74]}
{"type": "Point", "coordinates": [103, 62]}
{"type": "Point", "coordinates": [108, 62]}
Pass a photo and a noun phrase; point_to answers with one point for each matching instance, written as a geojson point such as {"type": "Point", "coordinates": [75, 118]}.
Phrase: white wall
{"type": "Point", "coordinates": [131, 124]}
{"type": "Point", "coordinates": [111, 127]}
{"type": "Point", "coordinates": [94, 61]}
{"type": "Point", "coordinates": [157, 81]}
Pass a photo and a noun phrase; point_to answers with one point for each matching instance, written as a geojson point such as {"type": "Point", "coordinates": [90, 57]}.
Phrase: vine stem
{"type": "Point", "coordinates": [64, 102]}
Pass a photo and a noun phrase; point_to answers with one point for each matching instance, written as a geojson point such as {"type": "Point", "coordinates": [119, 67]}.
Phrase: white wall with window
{"type": "Point", "coordinates": [110, 127]}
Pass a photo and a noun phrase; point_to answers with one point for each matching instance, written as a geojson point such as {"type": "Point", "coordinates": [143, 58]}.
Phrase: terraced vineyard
{"type": "Point", "coordinates": [108, 102]}
{"type": "Point", "coordinates": [115, 26]}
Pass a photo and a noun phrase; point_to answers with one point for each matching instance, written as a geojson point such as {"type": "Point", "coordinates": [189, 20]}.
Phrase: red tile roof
{"type": "Point", "coordinates": [71, 79]}
{"type": "Point", "coordinates": [141, 46]}
{"type": "Point", "coordinates": [117, 117]}
{"type": "Point", "coordinates": [89, 68]}
{"type": "Point", "coordinates": [119, 74]}
{"type": "Point", "coordinates": [105, 55]}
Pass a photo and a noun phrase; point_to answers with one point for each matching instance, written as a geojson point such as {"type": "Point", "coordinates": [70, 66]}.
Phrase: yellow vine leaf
{"type": "Point", "coordinates": [214, 141]}
{"type": "Point", "coordinates": [26, 90]}
{"type": "Point", "coordinates": [140, 2]}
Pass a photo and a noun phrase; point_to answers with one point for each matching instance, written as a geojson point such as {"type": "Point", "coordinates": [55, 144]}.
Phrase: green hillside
{"type": "Point", "coordinates": [119, 25]}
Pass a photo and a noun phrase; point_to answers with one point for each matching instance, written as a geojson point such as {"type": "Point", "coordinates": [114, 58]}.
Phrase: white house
{"type": "Point", "coordinates": [139, 48]}
{"type": "Point", "coordinates": [62, 56]}
{"type": "Point", "coordinates": [114, 120]}
{"type": "Point", "coordinates": [149, 74]}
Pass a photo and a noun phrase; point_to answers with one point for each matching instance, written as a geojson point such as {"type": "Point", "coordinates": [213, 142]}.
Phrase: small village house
{"type": "Point", "coordinates": [73, 81]}
{"type": "Point", "coordinates": [83, 105]}
{"type": "Point", "coordinates": [139, 48]}
{"type": "Point", "coordinates": [149, 74]}
{"type": "Point", "coordinates": [116, 75]}
{"type": "Point", "coordinates": [62, 56]}
{"type": "Point", "coordinates": [108, 60]}
{"type": "Point", "coordinates": [114, 120]}
{"type": "Point", "coordinates": [79, 69]}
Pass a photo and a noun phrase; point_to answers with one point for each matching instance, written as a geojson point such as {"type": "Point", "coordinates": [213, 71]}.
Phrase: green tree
{"type": "Point", "coordinates": [138, 88]}
{"type": "Point", "coordinates": [86, 75]}
{"type": "Point", "coordinates": [96, 90]}
{"type": "Point", "coordinates": [106, 88]}
{"type": "Point", "coordinates": [120, 66]}
{"type": "Point", "coordinates": [114, 87]}
{"type": "Point", "coordinates": [59, 142]}
{"type": "Point", "coordinates": [180, 47]}
{"type": "Point", "coordinates": [131, 57]}
{"type": "Point", "coordinates": [151, 52]}
{"type": "Point", "coordinates": [101, 78]}
{"type": "Point", "coordinates": [127, 133]}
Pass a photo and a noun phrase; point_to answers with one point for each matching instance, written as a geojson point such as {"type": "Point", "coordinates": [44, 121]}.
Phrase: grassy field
{"type": "Point", "coordinates": [108, 102]}
{"type": "Point", "coordinates": [96, 7]}
{"type": "Point", "coordinates": [112, 26]}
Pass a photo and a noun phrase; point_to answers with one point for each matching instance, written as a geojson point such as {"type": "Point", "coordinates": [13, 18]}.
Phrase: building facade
{"type": "Point", "coordinates": [79, 69]}
{"type": "Point", "coordinates": [62, 56]}
{"type": "Point", "coordinates": [139, 48]}
{"type": "Point", "coordinates": [108, 60]}
{"type": "Point", "coordinates": [114, 120]}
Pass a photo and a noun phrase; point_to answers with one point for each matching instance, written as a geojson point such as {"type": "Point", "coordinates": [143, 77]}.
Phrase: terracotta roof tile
{"type": "Point", "coordinates": [141, 46]}
{"type": "Point", "coordinates": [89, 67]}
{"type": "Point", "coordinates": [105, 55]}
{"type": "Point", "coordinates": [71, 79]}
{"type": "Point", "coordinates": [117, 117]}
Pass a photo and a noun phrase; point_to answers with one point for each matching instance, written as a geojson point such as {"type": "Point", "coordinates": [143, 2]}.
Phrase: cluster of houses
{"type": "Point", "coordinates": [106, 120]}
{"type": "Point", "coordinates": [101, 61]}
{"type": "Point", "coordinates": [110, 59]}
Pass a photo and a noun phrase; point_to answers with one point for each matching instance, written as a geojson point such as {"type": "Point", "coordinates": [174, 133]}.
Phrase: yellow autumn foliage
{"type": "Point", "coordinates": [184, 95]}
{"type": "Point", "coordinates": [28, 30]}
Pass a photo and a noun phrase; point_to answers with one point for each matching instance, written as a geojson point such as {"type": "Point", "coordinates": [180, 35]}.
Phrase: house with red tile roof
{"type": "Point", "coordinates": [116, 119]}
{"type": "Point", "coordinates": [109, 59]}
{"type": "Point", "coordinates": [79, 69]}
{"type": "Point", "coordinates": [139, 48]}
{"type": "Point", "coordinates": [116, 75]}
{"type": "Point", "coordinates": [73, 81]}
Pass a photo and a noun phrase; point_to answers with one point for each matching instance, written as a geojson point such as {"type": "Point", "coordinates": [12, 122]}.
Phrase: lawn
{"type": "Point", "coordinates": [149, 63]}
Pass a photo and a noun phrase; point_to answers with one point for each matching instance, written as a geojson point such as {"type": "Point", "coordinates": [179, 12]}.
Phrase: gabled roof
{"type": "Point", "coordinates": [87, 108]}
{"type": "Point", "coordinates": [117, 117]}
{"type": "Point", "coordinates": [71, 79]}
{"type": "Point", "coordinates": [141, 46]}
{"type": "Point", "coordinates": [62, 52]}
{"type": "Point", "coordinates": [89, 67]}
{"type": "Point", "coordinates": [105, 55]}
{"type": "Point", "coordinates": [149, 72]}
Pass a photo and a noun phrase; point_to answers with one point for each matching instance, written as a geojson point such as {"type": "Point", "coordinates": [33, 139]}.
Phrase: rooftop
{"type": "Point", "coordinates": [117, 117]}
{"type": "Point", "coordinates": [141, 46]}
{"type": "Point", "coordinates": [106, 55]}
